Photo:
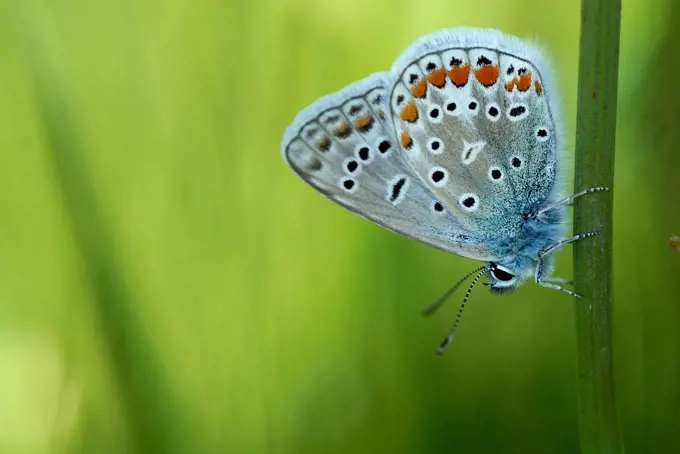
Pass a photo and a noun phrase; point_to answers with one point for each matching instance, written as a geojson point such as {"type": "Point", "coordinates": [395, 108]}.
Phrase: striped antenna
{"type": "Point", "coordinates": [432, 308]}
{"type": "Point", "coordinates": [449, 337]}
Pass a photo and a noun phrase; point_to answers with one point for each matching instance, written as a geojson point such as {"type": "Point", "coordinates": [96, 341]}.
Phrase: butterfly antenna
{"type": "Point", "coordinates": [432, 308]}
{"type": "Point", "coordinates": [449, 337]}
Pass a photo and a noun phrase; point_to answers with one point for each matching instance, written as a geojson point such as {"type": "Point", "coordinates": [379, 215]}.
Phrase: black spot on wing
{"type": "Point", "coordinates": [396, 188]}
{"type": "Point", "coordinates": [517, 111]}
{"type": "Point", "coordinates": [384, 146]}
{"type": "Point", "coordinates": [355, 109]}
{"type": "Point", "coordinates": [483, 60]}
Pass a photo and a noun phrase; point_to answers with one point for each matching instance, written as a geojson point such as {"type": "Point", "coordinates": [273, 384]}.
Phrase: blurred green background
{"type": "Point", "coordinates": [168, 285]}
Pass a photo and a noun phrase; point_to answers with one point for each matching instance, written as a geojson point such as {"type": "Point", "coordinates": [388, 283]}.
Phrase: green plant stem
{"type": "Point", "coordinates": [595, 138]}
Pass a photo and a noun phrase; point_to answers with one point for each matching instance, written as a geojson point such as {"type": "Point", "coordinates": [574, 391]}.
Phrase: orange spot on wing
{"type": "Point", "coordinates": [364, 122]}
{"type": "Point", "coordinates": [323, 144]}
{"type": "Point", "coordinates": [405, 139]}
{"type": "Point", "coordinates": [524, 82]}
{"type": "Point", "coordinates": [342, 131]}
{"type": "Point", "coordinates": [437, 77]}
{"type": "Point", "coordinates": [511, 85]}
{"type": "Point", "coordinates": [409, 112]}
{"type": "Point", "coordinates": [459, 75]}
{"type": "Point", "coordinates": [487, 75]}
{"type": "Point", "coordinates": [419, 89]}
{"type": "Point", "coordinates": [539, 87]}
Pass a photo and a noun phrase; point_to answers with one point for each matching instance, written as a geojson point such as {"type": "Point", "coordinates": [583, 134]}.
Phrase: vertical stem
{"type": "Point", "coordinates": [595, 138]}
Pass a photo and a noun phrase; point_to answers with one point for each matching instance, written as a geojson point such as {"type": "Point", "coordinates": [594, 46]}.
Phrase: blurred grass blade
{"type": "Point", "coordinates": [141, 384]}
{"type": "Point", "coordinates": [595, 139]}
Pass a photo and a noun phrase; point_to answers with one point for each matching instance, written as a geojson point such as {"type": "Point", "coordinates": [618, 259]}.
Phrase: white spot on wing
{"type": "Point", "coordinates": [468, 199]}
{"type": "Point", "coordinates": [472, 106]}
{"type": "Point", "coordinates": [380, 146]}
{"type": "Point", "coordinates": [404, 183]}
{"type": "Point", "coordinates": [437, 207]}
{"type": "Point", "coordinates": [542, 134]}
{"type": "Point", "coordinates": [346, 166]}
{"type": "Point", "coordinates": [452, 107]}
{"type": "Point", "coordinates": [470, 151]}
{"type": "Point", "coordinates": [493, 111]}
{"type": "Point", "coordinates": [362, 151]}
{"type": "Point", "coordinates": [435, 113]}
{"type": "Point", "coordinates": [437, 172]}
{"type": "Point", "coordinates": [435, 145]}
{"type": "Point", "coordinates": [496, 172]}
{"type": "Point", "coordinates": [517, 112]}
{"type": "Point", "coordinates": [349, 185]}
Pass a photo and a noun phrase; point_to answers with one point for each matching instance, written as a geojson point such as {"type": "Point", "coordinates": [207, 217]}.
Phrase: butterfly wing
{"type": "Point", "coordinates": [471, 109]}
{"type": "Point", "coordinates": [344, 146]}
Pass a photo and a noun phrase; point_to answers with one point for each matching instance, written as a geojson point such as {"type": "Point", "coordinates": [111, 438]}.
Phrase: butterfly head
{"type": "Point", "coordinates": [505, 278]}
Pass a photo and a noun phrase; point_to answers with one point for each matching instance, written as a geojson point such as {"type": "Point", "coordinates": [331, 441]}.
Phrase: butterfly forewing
{"type": "Point", "coordinates": [344, 146]}
{"type": "Point", "coordinates": [471, 112]}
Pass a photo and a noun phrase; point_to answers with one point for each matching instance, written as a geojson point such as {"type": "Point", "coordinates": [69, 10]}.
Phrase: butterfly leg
{"type": "Point", "coordinates": [557, 287]}
{"type": "Point", "coordinates": [569, 200]}
{"type": "Point", "coordinates": [559, 244]}
{"type": "Point", "coordinates": [557, 280]}
{"type": "Point", "coordinates": [550, 282]}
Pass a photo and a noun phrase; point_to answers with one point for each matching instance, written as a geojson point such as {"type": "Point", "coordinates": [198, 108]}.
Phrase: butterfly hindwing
{"type": "Point", "coordinates": [344, 146]}
{"type": "Point", "coordinates": [472, 113]}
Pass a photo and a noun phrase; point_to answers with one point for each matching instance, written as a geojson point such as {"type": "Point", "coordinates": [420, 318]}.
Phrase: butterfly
{"type": "Point", "coordinates": [457, 146]}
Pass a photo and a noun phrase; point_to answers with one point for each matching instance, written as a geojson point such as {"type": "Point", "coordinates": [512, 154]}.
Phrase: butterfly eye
{"type": "Point", "coordinates": [501, 275]}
